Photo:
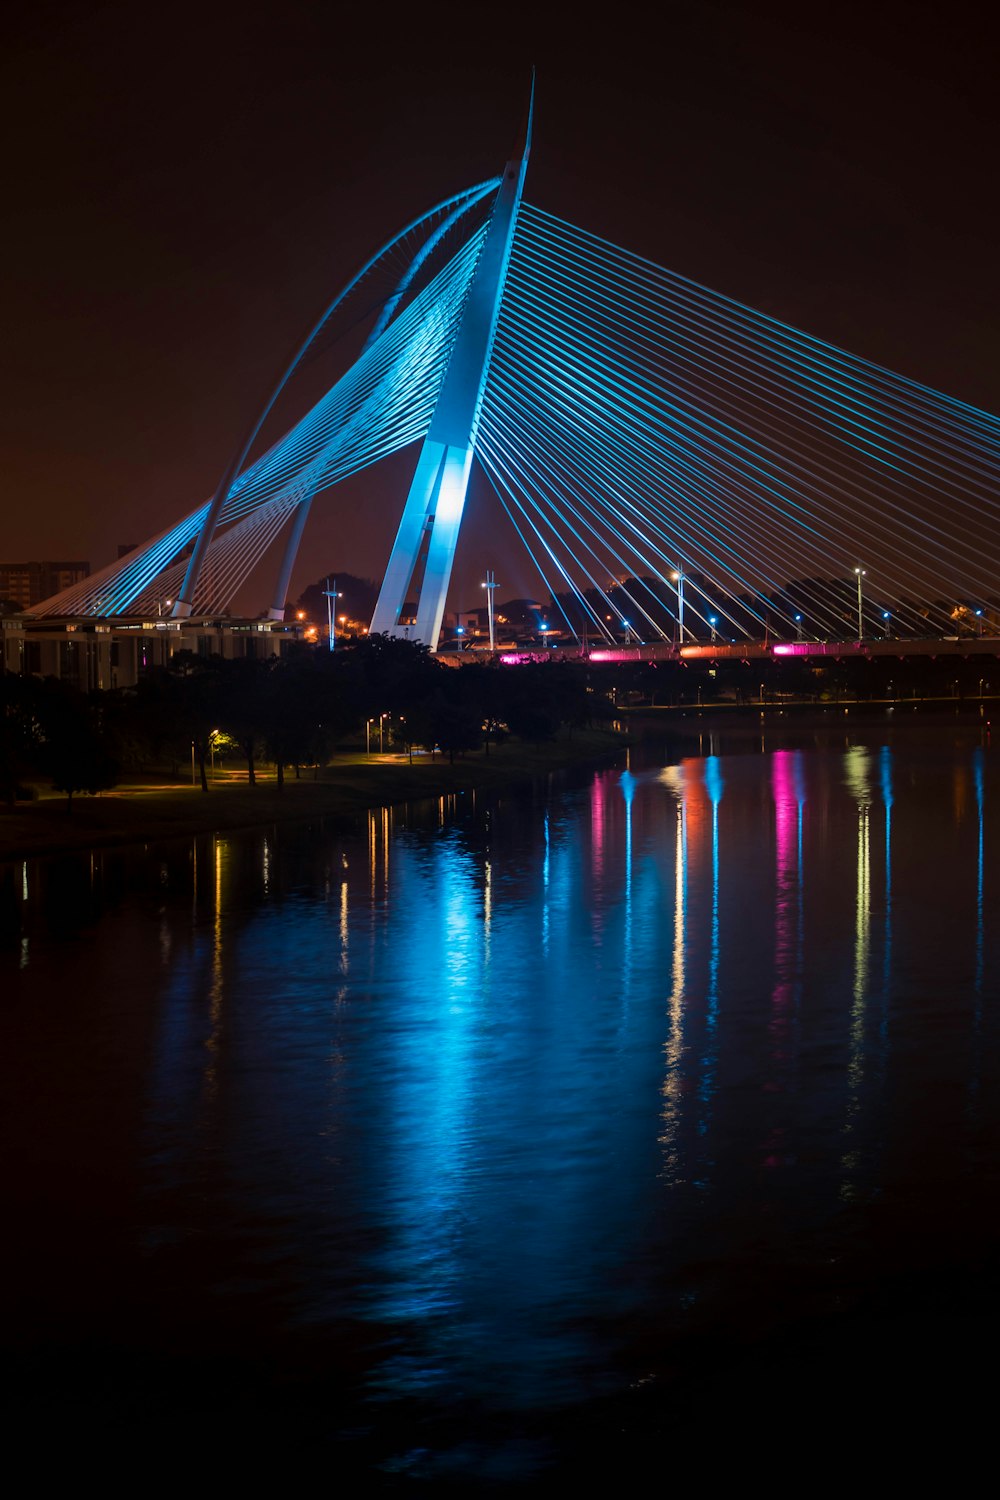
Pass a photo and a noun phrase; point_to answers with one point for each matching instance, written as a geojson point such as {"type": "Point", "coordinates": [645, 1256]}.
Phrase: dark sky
{"type": "Point", "coordinates": [187, 186]}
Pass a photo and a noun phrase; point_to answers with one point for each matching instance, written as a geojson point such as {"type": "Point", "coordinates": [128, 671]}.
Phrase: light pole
{"type": "Point", "coordinates": [979, 622]}
{"type": "Point", "coordinates": [798, 627]}
{"type": "Point", "coordinates": [678, 578]}
{"type": "Point", "coordinates": [331, 594]}
{"type": "Point", "coordinates": [489, 586]}
{"type": "Point", "coordinates": [628, 632]}
{"type": "Point", "coordinates": [860, 572]}
{"type": "Point", "coordinates": [887, 617]}
{"type": "Point", "coordinates": [713, 621]}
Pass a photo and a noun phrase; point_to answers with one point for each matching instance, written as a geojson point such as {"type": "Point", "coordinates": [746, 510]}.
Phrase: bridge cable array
{"type": "Point", "coordinates": [638, 428]}
{"type": "Point", "coordinates": [637, 425]}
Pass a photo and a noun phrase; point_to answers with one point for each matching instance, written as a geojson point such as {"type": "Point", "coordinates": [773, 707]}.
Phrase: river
{"type": "Point", "coordinates": [485, 1142]}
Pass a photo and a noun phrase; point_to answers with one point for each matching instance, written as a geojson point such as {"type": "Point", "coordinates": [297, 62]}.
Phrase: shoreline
{"type": "Point", "coordinates": [146, 810]}
{"type": "Point", "coordinates": [143, 811]}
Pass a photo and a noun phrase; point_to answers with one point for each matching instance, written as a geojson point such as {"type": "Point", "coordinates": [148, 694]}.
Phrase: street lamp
{"type": "Point", "coordinates": [678, 578]}
{"type": "Point", "coordinates": [489, 586]}
{"type": "Point", "coordinates": [798, 627]}
{"type": "Point", "coordinates": [628, 632]}
{"type": "Point", "coordinates": [860, 572]}
{"type": "Point", "coordinates": [331, 594]}
{"type": "Point", "coordinates": [979, 622]}
{"type": "Point", "coordinates": [886, 617]}
{"type": "Point", "coordinates": [713, 621]}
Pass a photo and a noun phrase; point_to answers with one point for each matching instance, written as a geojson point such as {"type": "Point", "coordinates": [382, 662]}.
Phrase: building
{"type": "Point", "coordinates": [93, 653]}
{"type": "Point", "coordinates": [28, 583]}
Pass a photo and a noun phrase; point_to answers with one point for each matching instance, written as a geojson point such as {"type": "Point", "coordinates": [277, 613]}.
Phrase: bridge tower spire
{"type": "Point", "coordinates": [433, 511]}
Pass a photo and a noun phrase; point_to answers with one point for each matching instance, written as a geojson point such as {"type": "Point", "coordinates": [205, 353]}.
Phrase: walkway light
{"type": "Point", "coordinates": [331, 594]}
{"type": "Point", "coordinates": [490, 586]}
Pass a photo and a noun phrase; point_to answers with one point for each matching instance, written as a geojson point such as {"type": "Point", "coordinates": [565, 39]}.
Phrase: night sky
{"type": "Point", "coordinates": [187, 187]}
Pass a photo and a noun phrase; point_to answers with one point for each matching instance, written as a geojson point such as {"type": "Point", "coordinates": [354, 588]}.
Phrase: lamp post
{"type": "Point", "coordinates": [489, 586]}
{"type": "Point", "coordinates": [860, 573]}
{"type": "Point", "coordinates": [713, 621]}
{"type": "Point", "coordinates": [678, 578]}
{"type": "Point", "coordinates": [798, 627]}
{"type": "Point", "coordinates": [331, 594]}
{"type": "Point", "coordinates": [628, 632]}
{"type": "Point", "coordinates": [887, 617]}
{"type": "Point", "coordinates": [979, 622]}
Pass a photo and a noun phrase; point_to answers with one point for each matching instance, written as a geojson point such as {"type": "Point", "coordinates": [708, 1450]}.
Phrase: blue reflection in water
{"type": "Point", "coordinates": [857, 774]}
{"type": "Point", "coordinates": [627, 783]}
{"type": "Point", "coordinates": [714, 786]}
{"type": "Point", "coordinates": [978, 759]}
{"type": "Point", "coordinates": [522, 1094]}
{"type": "Point", "coordinates": [885, 778]}
{"type": "Point", "coordinates": [673, 1084]}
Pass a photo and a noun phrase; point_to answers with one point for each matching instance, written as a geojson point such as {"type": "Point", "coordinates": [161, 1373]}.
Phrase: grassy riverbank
{"type": "Point", "coordinates": [141, 810]}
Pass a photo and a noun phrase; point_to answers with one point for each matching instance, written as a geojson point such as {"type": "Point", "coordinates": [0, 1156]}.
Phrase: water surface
{"type": "Point", "coordinates": [489, 1141]}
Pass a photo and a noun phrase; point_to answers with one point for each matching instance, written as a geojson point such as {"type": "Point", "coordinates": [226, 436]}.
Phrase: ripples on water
{"type": "Point", "coordinates": [503, 1139]}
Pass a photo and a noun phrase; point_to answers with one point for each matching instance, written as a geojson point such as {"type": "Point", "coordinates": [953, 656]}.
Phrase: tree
{"type": "Point", "coordinates": [20, 731]}
{"type": "Point", "coordinates": [184, 700]}
{"type": "Point", "coordinates": [454, 726]}
{"type": "Point", "coordinates": [76, 753]}
{"type": "Point", "coordinates": [293, 729]}
{"type": "Point", "coordinates": [242, 707]}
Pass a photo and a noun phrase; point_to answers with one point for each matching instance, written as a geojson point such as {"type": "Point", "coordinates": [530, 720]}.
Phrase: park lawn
{"type": "Point", "coordinates": [147, 810]}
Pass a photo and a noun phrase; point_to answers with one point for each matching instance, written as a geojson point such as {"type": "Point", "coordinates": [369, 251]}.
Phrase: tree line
{"type": "Point", "coordinates": [290, 711]}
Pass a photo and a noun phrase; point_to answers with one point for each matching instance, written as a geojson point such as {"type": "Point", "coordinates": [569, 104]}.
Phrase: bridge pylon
{"type": "Point", "coordinates": [432, 515]}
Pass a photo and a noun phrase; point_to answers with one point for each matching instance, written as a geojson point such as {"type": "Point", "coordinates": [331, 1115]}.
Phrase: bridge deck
{"type": "Point", "coordinates": [760, 650]}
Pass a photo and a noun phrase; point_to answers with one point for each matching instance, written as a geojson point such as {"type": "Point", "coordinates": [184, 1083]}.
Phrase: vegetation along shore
{"type": "Point", "coordinates": [208, 744]}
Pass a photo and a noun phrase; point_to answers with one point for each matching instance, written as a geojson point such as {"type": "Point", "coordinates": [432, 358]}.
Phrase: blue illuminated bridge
{"type": "Point", "coordinates": [640, 432]}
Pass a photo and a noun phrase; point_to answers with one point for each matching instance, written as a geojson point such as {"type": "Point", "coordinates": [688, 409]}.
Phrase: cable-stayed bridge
{"type": "Point", "coordinates": [642, 433]}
